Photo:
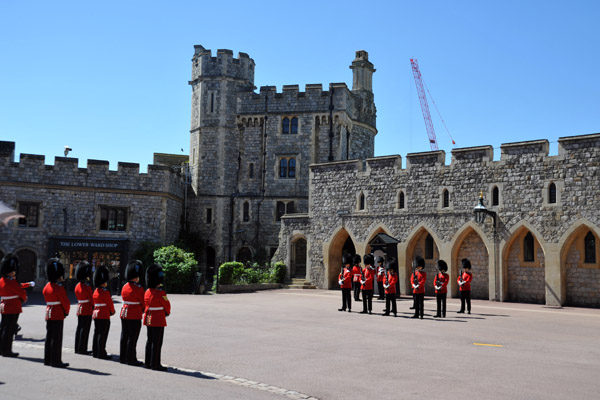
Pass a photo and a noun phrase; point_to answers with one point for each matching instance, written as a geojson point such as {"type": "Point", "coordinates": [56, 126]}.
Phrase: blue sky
{"type": "Point", "coordinates": [110, 78]}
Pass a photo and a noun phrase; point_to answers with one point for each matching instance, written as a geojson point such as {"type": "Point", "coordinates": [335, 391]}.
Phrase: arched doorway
{"type": "Point", "coordinates": [27, 265]}
{"type": "Point", "coordinates": [525, 268]}
{"type": "Point", "coordinates": [580, 261]}
{"type": "Point", "coordinates": [340, 244]}
{"type": "Point", "coordinates": [472, 247]}
{"type": "Point", "coordinates": [298, 262]}
{"type": "Point", "coordinates": [244, 255]}
{"type": "Point", "coordinates": [423, 244]}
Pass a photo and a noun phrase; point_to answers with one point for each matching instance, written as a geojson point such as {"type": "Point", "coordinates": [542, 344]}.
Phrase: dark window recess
{"type": "Point", "coordinates": [209, 215]}
{"type": "Point", "coordinates": [31, 212]}
{"type": "Point", "coordinates": [292, 168]}
{"type": "Point", "coordinates": [212, 102]}
{"type": "Point", "coordinates": [280, 210]}
{"type": "Point", "coordinates": [495, 196]}
{"type": "Point", "coordinates": [361, 202]}
{"type": "Point", "coordinates": [528, 253]}
{"type": "Point", "coordinates": [251, 170]}
{"type": "Point", "coordinates": [401, 200]}
{"type": "Point", "coordinates": [590, 248]}
{"type": "Point", "coordinates": [285, 126]}
{"type": "Point", "coordinates": [446, 199]}
{"type": "Point", "coordinates": [246, 215]}
{"type": "Point", "coordinates": [289, 208]}
{"type": "Point", "coordinates": [283, 168]}
{"type": "Point", "coordinates": [113, 219]}
{"type": "Point", "coordinates": [552, 193]}
{"type": "Point", "coordinates": [429, 247]}
{"type": "Point", "coordinates": [294, 126]}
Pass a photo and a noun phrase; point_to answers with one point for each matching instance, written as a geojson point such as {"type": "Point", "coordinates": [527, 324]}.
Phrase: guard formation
{"type": "Point", "coordinates": [152, 306]}
{"type": "Point", "coordinates": [387, 279]}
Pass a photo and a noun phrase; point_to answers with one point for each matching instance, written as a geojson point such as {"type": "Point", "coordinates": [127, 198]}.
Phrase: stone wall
{"type": "Point", "coordinates": [474, 249]}
{"type": "Point", "coordinates": [525, 282]}
{"type": "Point", "coordinates": [583, 284]}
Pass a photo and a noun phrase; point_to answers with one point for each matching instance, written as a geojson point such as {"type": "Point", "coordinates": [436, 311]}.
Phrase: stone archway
{"type": "Point", "coordinates": [524, 267]}
{"type": "Point", "coordinates": [244, 255]}
{"type": "Point", "coordinates": [471, 246]}
{"type": "Point", "coordinates": [27, 265]}
{"type": "Point", "coordinates": [422, 243]}
{"type": "Point", "coordinates": [342, 241]}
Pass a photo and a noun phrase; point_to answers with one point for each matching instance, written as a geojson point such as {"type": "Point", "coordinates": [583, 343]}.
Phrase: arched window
{"type": "Point", "coordinates": [292, 168]}
{"type": "Point", "coordinates": [294, 127]}
{"type": "Point", "coordinates": [283, 168]}
{"type": "Point", "coordinates": [552, 193]}
{"type": "Point", "coordinates": [495, 196]}
{"type": "Point", "coordinates": [429, 247]}
{"type": "Point", "coordinates": [446, 199]}
{"type": "Point", "coordinates": [246, 213]}
{"type": "Point", "coordinates": [361, 201]}
{"type": "Point", "coordinates": [528, 249]}
{"type": "Point", "coordinates": [285, 125]}
{"type": "Point", "coordinates": [401, 200]}
{"type": "Point", "coordinates": [590, 248]}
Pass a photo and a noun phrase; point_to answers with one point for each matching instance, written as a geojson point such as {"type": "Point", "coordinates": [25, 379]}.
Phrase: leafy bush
{"type": "Point", "coordinates": [279, 272]}
{"type": "Point", "coordinates": [226, 272]}
{"type": "Point", "coordinates": [179, 266]}
{"type": "Point", "coordinates": [235, 273]}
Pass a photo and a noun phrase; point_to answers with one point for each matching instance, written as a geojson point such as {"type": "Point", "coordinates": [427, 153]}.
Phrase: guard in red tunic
{"type": "Point", "coordinates": [440, 282]}
{"type": "Point", "coordinates": [380, 277]}
{"type": "Point", "coordinates": [104, 308]}
{"type": "Point", "coordinates": [418, 285]}
{"type": "Point", "coordinates": [356, 273]}
{"type": "Point", "coordinates": [57, 308]}
{"type": "Point", "coordinates": [85, 306]}
{"type": "Point", "coordinates": [345, 281]}
{"type": "Point", "coordinates": [464, 286]}
{"type": "Point", "coordinates": [389, 285]}
{"type": "Point", "coordinates": [366, 282]}
{"type": "Point", "coordinates": [12, 296]}
{"type": "Point", "coordinates": [131, 313]}
{"type": "Point", "coordinates": [156, 312]}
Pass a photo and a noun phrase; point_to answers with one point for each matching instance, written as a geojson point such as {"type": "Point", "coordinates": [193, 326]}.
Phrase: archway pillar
{"type": "Point", "coordinates": [404, 266]}
{"type": "Point", "coordinates": [556, 288]}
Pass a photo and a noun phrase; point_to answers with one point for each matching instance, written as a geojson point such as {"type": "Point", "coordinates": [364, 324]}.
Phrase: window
{"type": "Point", "coordinates": [31, 212]}
{"type": "Point", "coordinates": [495, 196]}
{"type": "Point", "coordinates": [283, 208]}
{"type": "Point", "coordinates": [552, 193]}
{"type": "Point", "coordinates": [251, 170]}
{"type": "Point", "coordinates": [289, 125]}
{"type": "Point", "coordinates": [528, 254]}
{"type": "Point", "coordinates": [294, 127]}
{"type": "Point", "coordinates": [209, 215]}
{"type": "Point", "coordinates": [590, 248]}
{"type": "Point", "coordinates": [361, 201]}
{"type": "Point", "coordinates": [429, 247]}
{"type": "Point", "coordinates": [289, 208]}
{"type": "Point", "coordinates": [212, 102]}
{"type": "Point", "coordinates": [285, 125]}
{"type": "Point", "coordinates": [401, 200]}
{"type": "Point", "coordinates": [287, 168]}
{"type": "Point", "coordinates": [246, 216]}
{"type": "Point", "coordinates": [280, 210]}
{"type": "Point", "coordinates": [446, 199]}
{"type": "Point", "coordinates": [113, 219]}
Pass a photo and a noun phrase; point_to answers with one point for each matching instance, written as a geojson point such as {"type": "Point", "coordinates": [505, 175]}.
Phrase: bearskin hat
{"type": "Point", "coordinates": [392, 264]}
{"type": "Point", "coordinates": [133, 269]}
{"type": "Point", "coordinates": [154, 275]}
{"type": "Point", "coordinates": [466, 263]}
{"type": "Point", "coordinates": [379, 260]}
{"type": "Point", "coordinates": [9, 263]}
{"type": "Point", "coordinates": [347, 259]}
{"type": "Point", "coordinates": [100, 276]}
{"type": "Point", "coordinates": [368, 259]}
{"type": "Point", "coordinates": [442, 266]}
{"type": "Point", "coordinates": [54, 269]}
{"type": "Point", "coordinates": [419, 262]}
{"type": "Point", "coordinates": [83, 271]}
{"type": "Point", "coordinates": [356, 259]}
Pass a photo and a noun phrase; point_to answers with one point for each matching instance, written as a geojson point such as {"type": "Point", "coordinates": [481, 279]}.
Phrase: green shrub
{"type": "Point", "coordinates": [179, 266]}
{"type": "Point", "coordinates": [234, 273]}
{"type": "Point", "coordinates": [226, 272]}
{"type": "Point", "coordinates": [279, 272]}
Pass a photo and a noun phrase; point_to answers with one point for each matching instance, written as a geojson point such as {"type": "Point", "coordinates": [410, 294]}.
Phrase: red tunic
{"type": "Point", "coordinates": [103, 304]}
{"type": "Point", "coordinates": [441, 278]}
{"type": "Point", "coordinates": [369, 276]}
{"type": "Point", "coordinates": [356, 273]}
{"type": "Point", "coordinates": [467, 277]}
{"type": "Point", "coordinates": [392, 280]}
{"type": "Point", "coordinates": [347, 283]}
{"type": "Point", "coordinates": [83, 292]}
{"type": "Point", "coordinates": [133, 301]}
{"type": "Point", "coordinates": [57, 302]}
{"type": "Point", "coordinates": [13, 295]}
{"type": "Point", "coordinates": [421, 278]}
{"type": "Point", "coordinates": [380, 274]}
{"type": "Point", "coordinates": [157, 308]}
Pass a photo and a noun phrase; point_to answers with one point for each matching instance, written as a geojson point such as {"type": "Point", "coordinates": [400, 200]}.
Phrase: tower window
{"type": "Point", "coordinates": [212, 102]}
{"type": "Point", "coordinates": [292, 168]}
{"type": "Point", "coordinates": [361, 201]}
{"type": "Point", "coordinates": [246, 216]}
{"type": "Point", "coordinates": [446, 199]}
{"type": "Point", "coordinates": [429, 247]}
{"type": "Point", "coordinates": [289, 208]}
{"type": "Point", "coordinates": [590, 248]}
{"type": "Point", "coordinates": [209, 215]}
{"type": "Point", "coordinates": [495, 196]}
{"type": "Point", "coordinates": [401, 200]}
{"type": "Point", "coordinates": [283, 168]}
{"type": "Point", "coordinates": [283, 208]}
{"type": "Point", "coordinates": [289, 125]}
{"type": "Point", "coordinates": [31, 212]}
{"type": "Point", "coordinates": [294, 126]}
{"type": "Point", "coordinates": [285, 125]}
{"type": "Point", "coordinates": [528, 253]}
{"type": "Point", "coordinates": [287, 167]}
{"type": "Point", "coordinates": [113, 219]}
{"type": "Point", "coordinates": [280, 210]}
{"type": "Point", "coordinates": [251, 170]}
{"type": "Point", "coordinates": [552, 193]}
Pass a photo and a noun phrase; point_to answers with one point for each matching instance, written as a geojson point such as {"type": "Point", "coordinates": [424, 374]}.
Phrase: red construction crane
{"type": "Point", "coordinates": [425, 106]}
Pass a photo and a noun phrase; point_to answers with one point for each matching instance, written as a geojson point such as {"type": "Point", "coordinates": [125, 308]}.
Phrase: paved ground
{"type": "Point", "coordinates": [295, 344]}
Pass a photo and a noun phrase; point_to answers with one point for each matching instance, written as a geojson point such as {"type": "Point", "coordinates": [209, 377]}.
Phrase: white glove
{"type": "Point", "coordinates": [461, 283]}
{"type": "Point", "coordinates": [416, 286]}
{"type": "Point", "coordinates": [340, 282]}
{"type": "Point", "coordinates": [32, 284]}
{"type": "Point", "coordinates": [362, 282]}
{"type": "Point", "coordinates": [386, 286]}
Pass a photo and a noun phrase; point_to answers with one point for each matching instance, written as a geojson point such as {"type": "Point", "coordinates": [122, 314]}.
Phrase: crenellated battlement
{"type": "Point", "coordinates": [31, 169]}
{"type": "Point", "coordinates": [204, 65]}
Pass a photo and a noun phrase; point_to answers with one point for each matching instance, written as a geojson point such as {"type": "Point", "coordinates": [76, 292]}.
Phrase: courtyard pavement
{"type": "Point", "coordinates": [295, 344]}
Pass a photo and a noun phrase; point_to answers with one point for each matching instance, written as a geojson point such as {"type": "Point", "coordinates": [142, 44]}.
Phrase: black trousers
{"type": "Point", "coordinates": [8, 328]}
{"type": "Point", "coordinates": [101, 328]}
{"type": "Point", "coordinates": [380, 290]}
{"type": "Point", "coordinates": [390, 303]}
{"type": "Point", "coordinates": [130, 331]}
{"type": "Point", "coordinates": [356, 286]}
{"type": "Point", "coordinates": [346, 299]}
{"type": "Point", "coordinates": [419, 304]}
{"type": "Point", "coordinates": [465, 297]}
{"type": "Point", "coordinates": [154, 346]}
{"type": "Point", "coordinates": [367, 300]}
{"type": "Point", "coordinates": [82, 333]}
{"type": "Point", "coordinates": [53, 345]}
{"type": "Point", "coordinates": [441, 304]}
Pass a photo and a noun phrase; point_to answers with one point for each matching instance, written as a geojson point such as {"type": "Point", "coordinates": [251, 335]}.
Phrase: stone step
{"type": "Point", "coordinates": [299, 283]}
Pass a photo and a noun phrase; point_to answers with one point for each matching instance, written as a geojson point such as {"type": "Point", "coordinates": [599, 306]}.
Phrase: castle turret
{"type": "Point", "coordinates": [362, 71]}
